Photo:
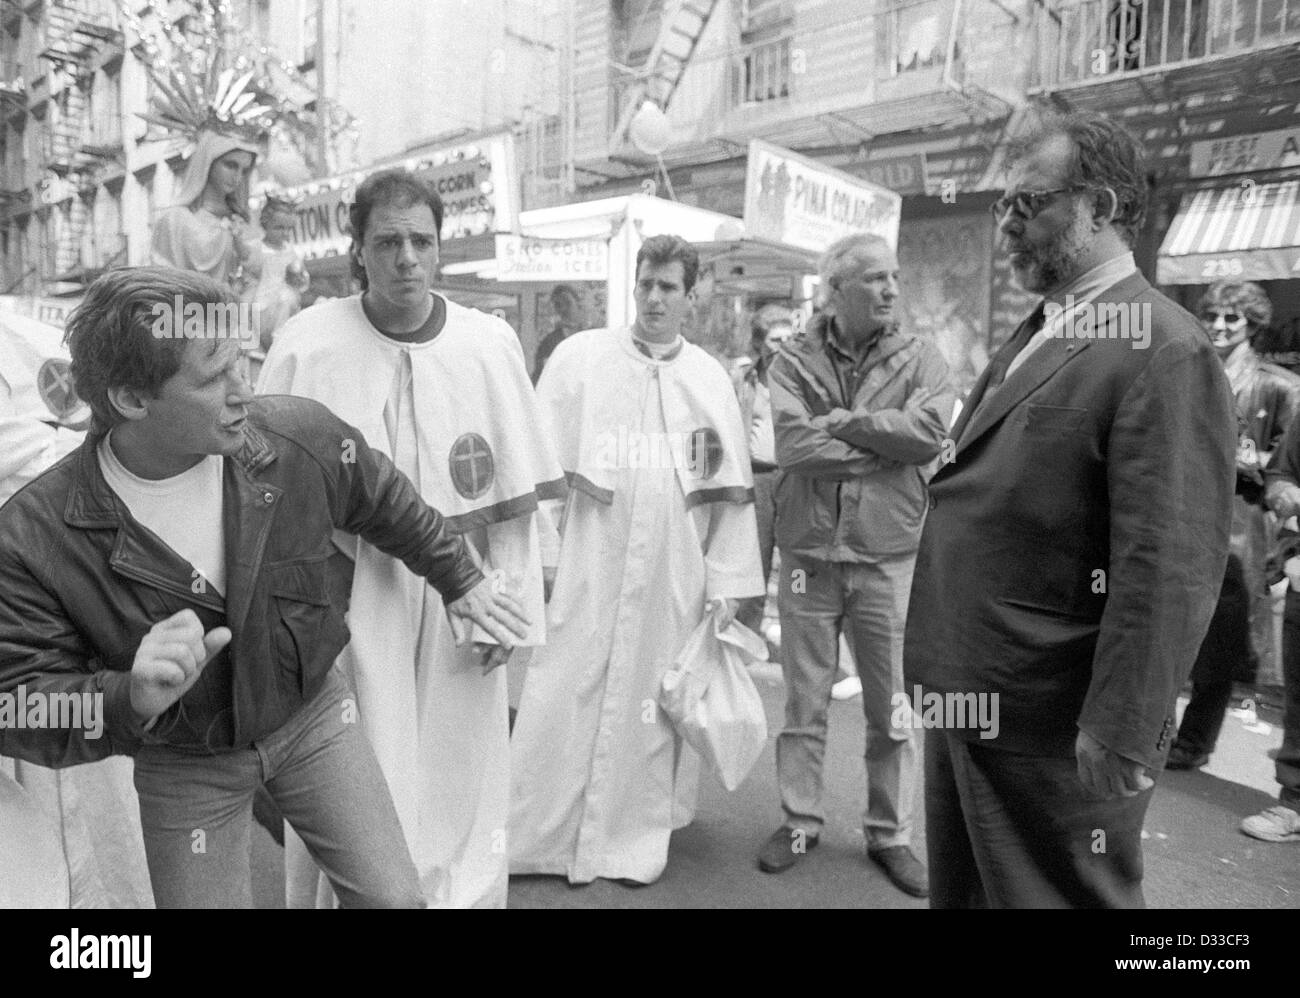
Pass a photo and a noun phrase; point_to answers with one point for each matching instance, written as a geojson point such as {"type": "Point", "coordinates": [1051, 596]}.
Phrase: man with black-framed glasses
{"type": "Point", "coordinates": [1074, 547]}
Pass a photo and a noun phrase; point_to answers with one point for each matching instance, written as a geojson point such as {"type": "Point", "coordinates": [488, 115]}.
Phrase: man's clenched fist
{"type": "Point", "coordinates": [169, 660]}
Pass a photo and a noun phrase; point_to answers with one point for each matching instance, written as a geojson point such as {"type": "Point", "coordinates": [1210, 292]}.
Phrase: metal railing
{"type": "Point", "coordinates": [762, 72]}
{"type": "Point", "coordinates": [1092, 40]}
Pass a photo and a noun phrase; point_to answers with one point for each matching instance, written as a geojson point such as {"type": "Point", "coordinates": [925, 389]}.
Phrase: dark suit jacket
{"type": "Point", "coordinates": [1075, 545]}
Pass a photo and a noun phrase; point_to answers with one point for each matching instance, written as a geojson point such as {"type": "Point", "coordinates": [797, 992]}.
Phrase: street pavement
{"type": "Point", "coordinates": [1195, 855]}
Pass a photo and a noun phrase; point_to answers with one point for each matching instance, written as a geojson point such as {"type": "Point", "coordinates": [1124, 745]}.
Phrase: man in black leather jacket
{"type": "Point", "coordinates": [202, 640]}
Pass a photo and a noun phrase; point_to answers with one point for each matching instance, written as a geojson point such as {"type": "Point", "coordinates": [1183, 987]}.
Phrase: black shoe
{"type": "Point", "coordinates": [785, 848]}
{"type": "Point", "coordinates": [903, 869]}
{"type": "Point", "coordinates": [1183, 758]}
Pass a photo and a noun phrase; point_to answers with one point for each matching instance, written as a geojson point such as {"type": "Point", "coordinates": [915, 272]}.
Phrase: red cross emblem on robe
{"type": "Point", "coordinates": [472, 466]}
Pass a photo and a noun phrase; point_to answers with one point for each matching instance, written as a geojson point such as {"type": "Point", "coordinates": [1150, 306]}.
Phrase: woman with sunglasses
{"type": "Point", "coordinates": [1240, 639]}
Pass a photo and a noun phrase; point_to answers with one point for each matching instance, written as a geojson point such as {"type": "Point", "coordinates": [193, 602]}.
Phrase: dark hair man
{"type": "Point", "coordinates": [1074, 548]}
{"type": "Point", "coordinates": [443, 391]}
{"type": "Point", "coordinates": [569, 318]}
{"type": "Point", "coordinates": [659, 519]}
{"type": "Point", "coordinates": [177, 566]}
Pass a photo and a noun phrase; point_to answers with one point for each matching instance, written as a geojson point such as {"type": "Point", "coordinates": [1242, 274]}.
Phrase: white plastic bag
{"type": "Point", "coordinates": [712, 702]}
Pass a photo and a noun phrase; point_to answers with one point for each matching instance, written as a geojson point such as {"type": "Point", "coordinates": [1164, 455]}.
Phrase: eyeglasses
{"type": "Point", "coordinates": [1229, 318]}
{"type": "Point", "coordinates": [1029, 203]}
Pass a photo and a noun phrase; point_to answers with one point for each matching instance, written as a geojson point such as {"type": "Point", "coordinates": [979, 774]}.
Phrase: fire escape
{"type": "Point", "coordinates": [14, 196]}
{"type": "Point", "coordinates": [658, 78]}
{"type": "Point", "coordinates": [76, 32]}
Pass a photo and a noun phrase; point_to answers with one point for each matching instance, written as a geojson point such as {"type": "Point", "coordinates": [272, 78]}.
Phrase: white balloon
{"type": "Point", "coordinates": [649, 129]}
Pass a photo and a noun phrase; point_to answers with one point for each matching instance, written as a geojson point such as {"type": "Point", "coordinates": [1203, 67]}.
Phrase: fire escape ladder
{"type": "Point", "coordinates": [679, 36]}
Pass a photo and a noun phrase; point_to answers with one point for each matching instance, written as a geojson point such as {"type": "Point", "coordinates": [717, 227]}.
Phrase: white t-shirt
{"type": "Point", "coordinates": [184, 510]}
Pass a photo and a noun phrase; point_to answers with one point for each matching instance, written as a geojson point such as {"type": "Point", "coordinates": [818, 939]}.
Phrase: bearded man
{"type": "Point", "coordinates": [1074, 548]}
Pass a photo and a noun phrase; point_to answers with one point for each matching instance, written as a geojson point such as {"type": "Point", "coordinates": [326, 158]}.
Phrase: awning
{"type": "Point", "coordinates": [1248, 231]}
{"type": "Point", "coordinates": [757, 266]}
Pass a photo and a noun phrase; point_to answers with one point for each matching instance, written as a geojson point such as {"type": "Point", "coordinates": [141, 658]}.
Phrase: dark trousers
{"type": "Point", "coordinates": [1288, 756]}
{"type": "Point", "coordinates": [1225, 652]}
{"type": "Point", "coordinates": [1005, 830]}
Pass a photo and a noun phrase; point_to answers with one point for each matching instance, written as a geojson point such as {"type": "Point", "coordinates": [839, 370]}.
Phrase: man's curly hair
{"type": "Point", "coordinates": [1106, 155]}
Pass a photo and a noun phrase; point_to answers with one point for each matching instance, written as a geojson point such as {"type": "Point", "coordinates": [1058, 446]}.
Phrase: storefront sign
{"type": "Point", "coordinates": [51, 311]}
{"type": "Point", "coordinates": [1245, 153]}
{"type": "Point", "coordinates": [523, 258]}
{"type": "Point", "coordinates": [476, 182]}
{"type": "Point", "coordinates": [900, 174]}
{"type": "Point", "coordinates": [795, 200]}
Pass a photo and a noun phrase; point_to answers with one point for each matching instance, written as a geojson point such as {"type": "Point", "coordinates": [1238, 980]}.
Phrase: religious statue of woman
{"type": "Point", "coordinates": [209, 228]}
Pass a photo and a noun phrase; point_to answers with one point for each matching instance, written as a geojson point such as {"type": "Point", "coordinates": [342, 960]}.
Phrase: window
{"type": "Point", "coordinates": [108, 226]}
{"type": "Point", "coordinates": [105, 104]}
{"type": "Point", "coordinates": [763, 72]}
{"type": "Point", "coordinates": [310, 32]}
{"type": "Point", "coordinates": [913, 36]}
{"type": "Point", "coordinates": [638, 23]}
{"type": "Point", "coordinates": [759, 15]}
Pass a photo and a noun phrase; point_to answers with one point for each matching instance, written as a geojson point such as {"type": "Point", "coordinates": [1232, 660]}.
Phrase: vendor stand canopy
{"type": "Point", "coordinates": [1247, 231]}
{"type": "Point", "coordinates": [759, 268]}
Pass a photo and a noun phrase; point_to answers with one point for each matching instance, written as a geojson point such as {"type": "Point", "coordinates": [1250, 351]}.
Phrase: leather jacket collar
{"type": "Point", "coordinates": [92, 503]}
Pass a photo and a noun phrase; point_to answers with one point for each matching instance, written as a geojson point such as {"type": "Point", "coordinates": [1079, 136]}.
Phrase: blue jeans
{"type": "Point", "coordinates": [197, 811]}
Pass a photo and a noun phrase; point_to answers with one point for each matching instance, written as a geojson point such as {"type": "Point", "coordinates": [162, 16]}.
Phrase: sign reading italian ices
{"type": "Point", "coordinates": [795, 200]}
{"type": "Point", "coordinates": [51, 311]}
{"type": "Point", "coordinates": [476, 182]}
{"type": "Point", "coordinates": [524, 258]}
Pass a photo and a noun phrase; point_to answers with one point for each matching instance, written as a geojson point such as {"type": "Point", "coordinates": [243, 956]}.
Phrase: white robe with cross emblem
{"type": "Point", "coordinates": [660, 516]}
{"type": "Point", "coordinates": [458, 416]}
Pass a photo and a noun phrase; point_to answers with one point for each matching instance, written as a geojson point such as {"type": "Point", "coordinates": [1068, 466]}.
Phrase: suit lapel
{"type": "Point", "coordinates": [1044, 362]}
{"type": "Point", "coordinates": [972, 401]}
{"type": "Point", "coordinates": [997, 362]}
{"type": "Point", "coordinates": [1040, 367]}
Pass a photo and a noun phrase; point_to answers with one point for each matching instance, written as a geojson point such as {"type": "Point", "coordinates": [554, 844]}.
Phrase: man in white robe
{"type": "Point", "coordinates": [659, 520]}
{"type": "Point", "coordinates": [91, 812]}
{"type": "Point", "coordinates": [444, 392]}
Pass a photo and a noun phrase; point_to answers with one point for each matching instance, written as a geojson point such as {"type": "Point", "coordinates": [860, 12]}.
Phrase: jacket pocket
{"type": "Point", "coordinates": [807, 510]}
{"type": "Point", "coordinates": [1055, 420]}
{"type": "Point", "coordinates": [298, 616]}
{"type": "Point", "coordinates": [889, 511]}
